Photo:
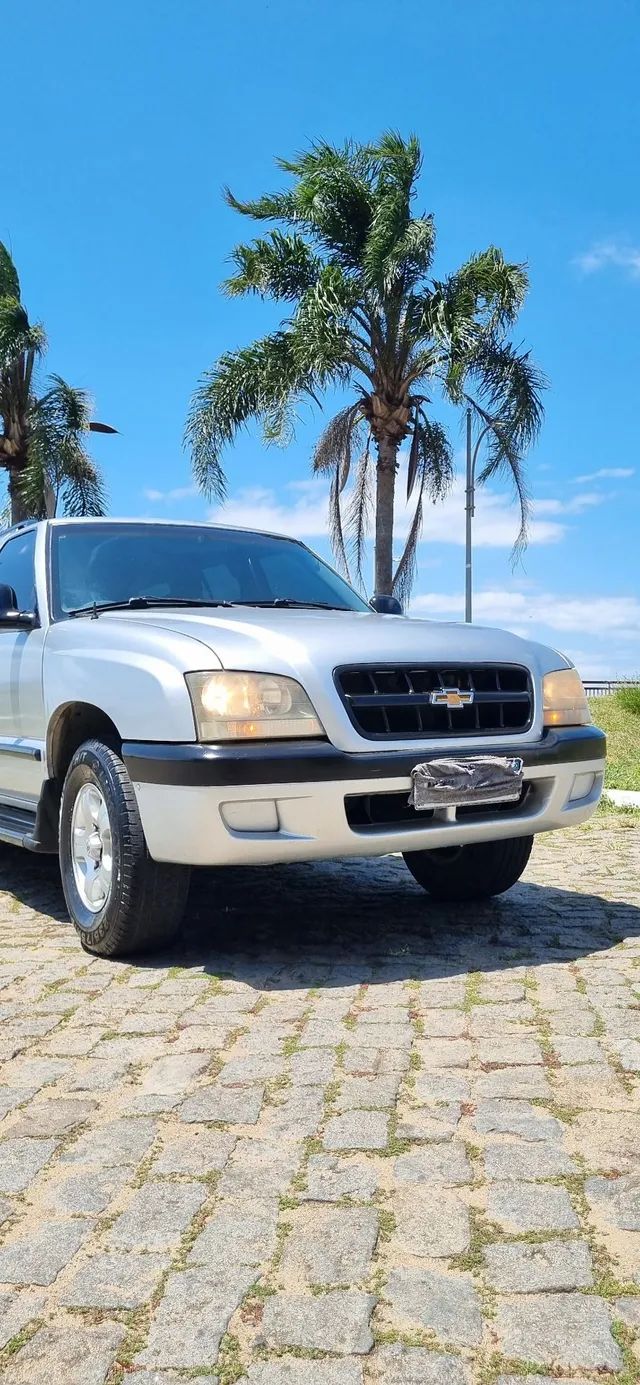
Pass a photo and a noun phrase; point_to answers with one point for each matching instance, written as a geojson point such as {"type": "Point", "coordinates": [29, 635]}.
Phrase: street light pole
{"type": "Point", "coordinates": [469, 506]}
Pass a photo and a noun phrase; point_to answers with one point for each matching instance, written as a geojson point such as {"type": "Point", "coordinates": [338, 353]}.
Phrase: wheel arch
{"type": "Point", "coordinates": [71, 724]}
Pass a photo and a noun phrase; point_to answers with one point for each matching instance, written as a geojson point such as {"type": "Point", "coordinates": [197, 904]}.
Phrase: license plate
{"type": "Point", "coordinates": [451, 783]}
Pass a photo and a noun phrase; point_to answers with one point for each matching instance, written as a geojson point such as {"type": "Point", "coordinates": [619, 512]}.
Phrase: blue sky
{"type": "Point", "coordinates": [122, 123]}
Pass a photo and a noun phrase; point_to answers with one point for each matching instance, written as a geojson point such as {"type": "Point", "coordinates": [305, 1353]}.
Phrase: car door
{"type": "Point", "coordinates": [22, 718]}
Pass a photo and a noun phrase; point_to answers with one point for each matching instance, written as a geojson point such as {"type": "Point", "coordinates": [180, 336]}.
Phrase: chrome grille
{"type": "Point", "coordinates": [411, 700]}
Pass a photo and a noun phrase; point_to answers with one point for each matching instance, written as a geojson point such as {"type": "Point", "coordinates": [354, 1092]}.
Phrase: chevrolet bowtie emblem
{"type": "Point", "coordinates": [452, 697]}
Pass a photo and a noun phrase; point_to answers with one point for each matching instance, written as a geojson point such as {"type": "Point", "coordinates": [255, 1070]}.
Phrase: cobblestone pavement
{"type": "Point", "coordinates": [340, 1136]}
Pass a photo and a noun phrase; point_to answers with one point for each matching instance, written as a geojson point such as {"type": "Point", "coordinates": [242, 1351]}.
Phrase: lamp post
{"type": "Point", "coordinates": [469, 506]}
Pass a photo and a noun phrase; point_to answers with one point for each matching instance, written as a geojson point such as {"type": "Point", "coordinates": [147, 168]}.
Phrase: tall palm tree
{"type": "Point", "coordinates": [42, 438]}
{"type": "Point", "coordinates": [354, 264]}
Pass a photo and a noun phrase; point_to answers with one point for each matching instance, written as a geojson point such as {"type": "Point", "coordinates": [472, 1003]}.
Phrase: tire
{"type": "Point", "coordinates": [476, 871]}
{"type": "Point", "coordinates": [136, 904]}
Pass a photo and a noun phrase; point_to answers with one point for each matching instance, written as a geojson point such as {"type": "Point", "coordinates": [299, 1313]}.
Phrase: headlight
{"type": "Point", "coordinates": [564, 699]}
{"type": "Point", "coordinates": [250, 706]}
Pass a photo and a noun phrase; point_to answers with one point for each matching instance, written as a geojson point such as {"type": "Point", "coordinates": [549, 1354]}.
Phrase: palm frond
{"type": "Point", "coordinates": [433, 471]}
{"type": "Point", "coordinates": [280, 266]}
{"type": "Point", "coordinates": [334, 448]}
{"type": "Point", "coordinates": [9, 281]}
{"type": "Point", "coordinates": [405, 573]}
{"type": "Point", "coordinates": [259, 381]}
{"type": "Point", "coordinates": [17, 335]}
{"type": "Point", "coordinates": [360, 512]}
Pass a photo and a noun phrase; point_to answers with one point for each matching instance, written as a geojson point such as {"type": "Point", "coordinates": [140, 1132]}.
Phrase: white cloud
{"type": "Point", "coordinates": [305, 515]}
{"type": "Point", "coordinates": [575, 506]}
{"type": "Point", "coordinates": [610, 623]}
{"type": "Point", "coordinates": [606, 473]}
{"type": "Point", "coordinates": [168, 497]}
{"type": "Point", "coordinates": [606, 253]}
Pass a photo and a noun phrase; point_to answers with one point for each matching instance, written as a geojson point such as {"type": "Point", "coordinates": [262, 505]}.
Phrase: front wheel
{"type": "Point", "coordinates": [119, 899]}
{"type": "Point", "coordinates": [475, 871]}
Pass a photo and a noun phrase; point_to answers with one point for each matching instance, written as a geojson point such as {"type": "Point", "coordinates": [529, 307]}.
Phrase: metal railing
{"type": "Point", "coordinates": [604, 687]}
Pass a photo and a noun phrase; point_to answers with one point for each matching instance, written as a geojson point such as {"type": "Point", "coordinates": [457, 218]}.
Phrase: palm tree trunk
{"type": "Point", "coordinates": [385, 488]}
{"type": "Point", "coordinates": [18, 507]}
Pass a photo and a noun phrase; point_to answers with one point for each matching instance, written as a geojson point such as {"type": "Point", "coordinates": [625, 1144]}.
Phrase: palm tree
{"type": "Point", "coordinates": [42, 434]}
{"type": "Point", "coordinates": [353, 264]}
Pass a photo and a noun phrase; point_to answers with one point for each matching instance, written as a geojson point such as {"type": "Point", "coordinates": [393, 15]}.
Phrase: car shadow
{"type": "Point", "coordinates": [334, 923]}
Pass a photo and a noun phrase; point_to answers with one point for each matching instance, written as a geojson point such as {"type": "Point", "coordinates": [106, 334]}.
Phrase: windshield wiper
{"type": "Point", "coordinates": [285, 601]}
{"type": "Point", "coordinates": [141, 603]}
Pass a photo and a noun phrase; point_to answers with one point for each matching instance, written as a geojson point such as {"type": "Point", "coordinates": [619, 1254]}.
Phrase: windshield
{"type": "Point", "coordinates": [111, 563]}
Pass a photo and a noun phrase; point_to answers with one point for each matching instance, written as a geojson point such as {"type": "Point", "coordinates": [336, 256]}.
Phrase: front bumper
{"type": "Point", "coordinates": [288, 801]}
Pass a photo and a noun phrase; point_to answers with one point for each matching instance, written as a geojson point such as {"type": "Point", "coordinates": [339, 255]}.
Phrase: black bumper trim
{"type": "Point", "coordinates": [301, 762]}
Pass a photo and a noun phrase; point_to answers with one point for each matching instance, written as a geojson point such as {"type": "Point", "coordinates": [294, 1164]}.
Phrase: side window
{"type": "Point", "coordinates": [17, 568]}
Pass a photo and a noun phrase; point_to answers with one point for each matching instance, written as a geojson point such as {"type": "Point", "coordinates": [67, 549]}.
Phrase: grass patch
{"type": "Point", "coordinates": [623, 741]}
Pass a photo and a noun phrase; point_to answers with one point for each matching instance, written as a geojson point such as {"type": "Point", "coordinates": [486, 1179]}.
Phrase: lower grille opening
{"type": "Point", "coordinates": [383, 811]}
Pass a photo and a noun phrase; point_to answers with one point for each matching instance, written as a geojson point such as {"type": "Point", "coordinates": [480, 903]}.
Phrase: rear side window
{"type": "Point", "coordinates": [17, 568]}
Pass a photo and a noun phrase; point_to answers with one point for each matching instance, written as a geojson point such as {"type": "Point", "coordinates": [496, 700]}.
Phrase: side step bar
{"type": "Point", "coordinates": [16, 824]}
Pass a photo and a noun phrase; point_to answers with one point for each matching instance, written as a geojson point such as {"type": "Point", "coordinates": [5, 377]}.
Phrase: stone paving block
{"type": "Point", "coordinates": [628, 1310]}
{"type": "Point", "coordinates": [357, 1130]}
{"type": "Point", "coordinates": [337, 1321]}
{"type": "Point", "coordinates": [542, 1380]}
{"type": "Point", "coordinates": [400, 1365]}
{"type": "Point", "coordinates": [444, 1053]}
{"type": "Point", "coordinates": [438, 1163]}
{"type": "Point", "coordinates": [444, 1024]}
{"type": "Point", "coordinates": [558, 1329]}
{"type": "Point", "coordinates": [379, 1036]}
{"type": "Point", "coordinates": [591, 1086]}
{"type": "Point", "coordinates": [236, 1235]}
{"type": "Point", "coordinates": [512, 1050]}
{"type": "Point", "coordinates": [87, 1193]}
{"type": "Point", "coordinates": [323, 1034]}
{"type": "Point", "coordinates": [431, 1223]}
{"type": "Point", "coordinates": [142, 1049]}
{"type": "Point", "coordinates": [193, 1316]}
{"type": "Point", "coordinates": [196, 1150]}
{"type": "Point", "coordinates": [144, 1022]}
{"type": "Point", "coordinates": [312, 1066]}
{"type": "Point", "coordinates": [156, 1216]}
{"type": "Point", "coordinates": [504, 1117]}
{"type": "Point", "coordinates": [94, 1075]}
{"type": "Point", "coordinates": [11, 1097]}
{"type": "Point", "coordinates": [167, 1076]}
{"type": "Point", "coordinates": [445, 1086]}
{"type": "Point", "coordinates": [607, 1141]}
{"type": "Point", "coordinates": [253, 1069]}
{"type": "Point", "coordinates": [17, 1308]}
{"type": "Point", "coordinates": [53, 1117]}
{"type": "Point", "coordinates": [6, 1209]}
{"type": "Point", "coordinates": [21, 1160]}
{"type": "Point", "coordinates": [228, 1105]}
{"type": "Point", "coordinates": [260, 1169]}
{"type": "Point", "coordinates": [447, 1304]}
{"type": "Point", "coordinates": [521, 1083]}
{"type": "Point", "coordinates": [37, 1256]}
{"type": "Point", "coordinates": [331, 1245]}
{"type": "Point", "coordinates": [297, 1114]}
{"type": "Point", "coordinates": [113, 1281]}
{"type": "Point", "coordinates": [530, 1207]}
{"type": "Point", "coordinates": [365, 1062]}
{"type": "Point", "coordinates": [617, 1200]}
{"type": "Point", "coordinates": [519, 1162]}
{"type": "Point", "coordinates": [628, 1053]}
{"type": "Point", "coordinates": [295, 1372]}
{"type": "Point", "coordinates": [171, 1378]}
{"type": "Point", "coordinates": [329, 1179]}
{"type": "Point", "coordinates": [67, 1351]}
{"type": "Point", "coordinates": [530, 1269]}
{"type": "Point", "coordinates": [368, 1092]}
{"type": "Point", "coordinates": [32, 1072]}
{"type": "Point", "coordinates": [117, 1142]}
{"type": "Point", "coordinates": [433, 1124]}
{"type": "Point", "coordinates": [575, 1049]}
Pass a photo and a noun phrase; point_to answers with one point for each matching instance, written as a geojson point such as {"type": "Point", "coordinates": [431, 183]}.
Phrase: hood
{"type": "Point", "coordinates": [284, 640]}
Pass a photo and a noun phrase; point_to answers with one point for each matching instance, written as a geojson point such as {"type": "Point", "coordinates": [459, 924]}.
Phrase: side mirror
{"type": "Point", "coordinates": [386, 605]}
{"type": "Point", "coordinates": [10, 616]}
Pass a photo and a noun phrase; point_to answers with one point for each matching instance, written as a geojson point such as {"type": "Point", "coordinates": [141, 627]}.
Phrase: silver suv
{"type": "Point", "coordinates": [178, 695]}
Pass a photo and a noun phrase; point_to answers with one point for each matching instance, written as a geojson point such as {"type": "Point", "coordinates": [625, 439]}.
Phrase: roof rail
{"type": "Point", "coordinates": [15, 528]}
